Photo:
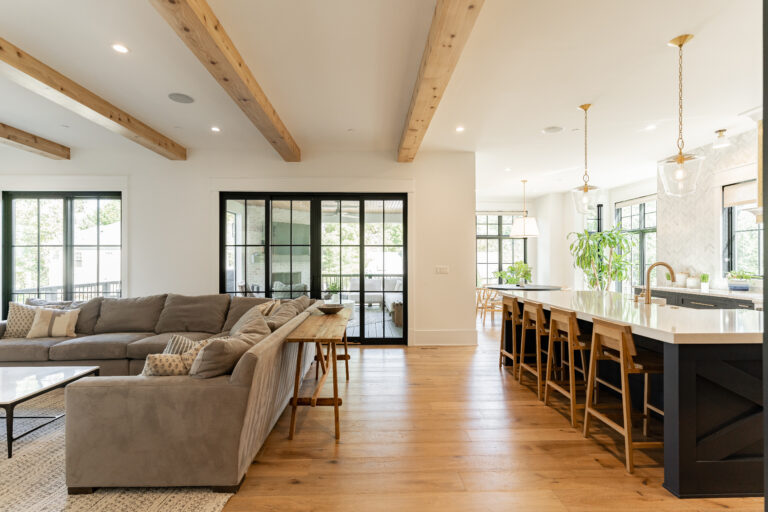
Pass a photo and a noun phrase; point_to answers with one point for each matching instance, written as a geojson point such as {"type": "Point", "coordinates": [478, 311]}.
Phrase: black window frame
{"type": "Point", "coordinates": [729, 232]}
{"type": "Point", "coordinates": [315, 289]}
{"type": "Point", "coordinates": [499, 236]}
{"type": "Point", "coordinates": [642, 231]}
{"type": "Point", "coordinates": [598, 217]}
{"type": "Point", "coordinates": [68, 244]}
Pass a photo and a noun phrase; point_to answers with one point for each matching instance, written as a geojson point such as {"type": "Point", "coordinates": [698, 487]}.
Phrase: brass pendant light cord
{"type": "Point", "coordinates": [585, 177]}
{"type": "Point", "coordinates": [680, 142]}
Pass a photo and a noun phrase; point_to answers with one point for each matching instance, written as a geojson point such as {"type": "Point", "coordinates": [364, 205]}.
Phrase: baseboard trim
{"type": "Point", "coordinates": [443, 337]}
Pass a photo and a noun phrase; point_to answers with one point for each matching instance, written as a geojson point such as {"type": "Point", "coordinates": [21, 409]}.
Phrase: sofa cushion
{"type": "Point", "coordinates": [96, 346]}
{"type": "Point", "coordinates": [138, 314]}
{"type": "Point", "coordinates": [301, 303]}
{"type": "Point", "coordinates": [238, 307]}
{"type": "Point", "coordinates": [201, 313]}
{"type": "Point", "coordinates": [281, 317]}
{"type": "Point", "coordinates": [252, 324]}
{"type": "Point", "coordinates": [155, 344]}
{"type": "Point", "coordinates": [89, 315]}
{"type": "Point", "coordinates": [22, 349]}
{"type": "Point", "coordinates": [218, 357]}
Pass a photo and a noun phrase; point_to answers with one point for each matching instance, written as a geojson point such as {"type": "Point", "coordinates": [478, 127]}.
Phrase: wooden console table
{"type": "Point", "coordinates": [321, 330]}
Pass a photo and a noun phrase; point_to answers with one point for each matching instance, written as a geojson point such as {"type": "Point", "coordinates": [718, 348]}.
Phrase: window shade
{"type": "Point", "coordinates": [740, 193]}
{"type": "Point", "coordinates": [637, 200]}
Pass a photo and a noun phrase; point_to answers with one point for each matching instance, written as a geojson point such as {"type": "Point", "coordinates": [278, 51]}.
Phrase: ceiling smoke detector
{"type": "Point", "coordinates": [552, 129]}
{"type": "Point", "coordinates": [179, 97]}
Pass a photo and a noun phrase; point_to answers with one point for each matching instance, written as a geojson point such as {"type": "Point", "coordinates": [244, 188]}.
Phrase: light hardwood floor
{"type": "Point", "coordinates": [444, 429]}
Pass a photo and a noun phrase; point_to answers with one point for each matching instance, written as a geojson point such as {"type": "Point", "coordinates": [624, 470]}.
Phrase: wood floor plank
{"type": "Point", "coordinates": [445, 429]}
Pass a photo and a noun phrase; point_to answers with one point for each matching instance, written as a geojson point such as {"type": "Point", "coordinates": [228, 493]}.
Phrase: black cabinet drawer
{"type": "Point", "coordinates": [702, 302]}
{"type": "Point", "coordinates": [696, 301]}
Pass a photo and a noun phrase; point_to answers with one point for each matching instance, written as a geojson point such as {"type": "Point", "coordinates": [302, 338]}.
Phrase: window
{"type": "Point", "coordinates": [638, 218]}
{"type": "Point", "coordinates": [61, 246]}
{"type": "Point", "coordinates": [347, 249]}
{"type": "Point", "coordinates": [494, 249]}
{"type": "Point", "coordinates": [742, 235]}
{"type": "Point", "coordinates": [594, 223]}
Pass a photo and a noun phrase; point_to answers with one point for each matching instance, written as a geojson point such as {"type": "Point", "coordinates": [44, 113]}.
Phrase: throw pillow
{"type": "Point", "coordinates": [218, 357]}
{"type": "Point", "coordinates": [20, 319]}
{"type": "Point", "coordinates": [163, 365]}
{"type": "Point", "coordinates": [178, 345]}
{"type": "Point", "coordinates": [190, 355]}
{"type": "Point", "coordinates": [281, 317]}
{"type": "Point", "coordinates": [53, 323]}
{"type": "Point", "coordinates": [50, 304]}
{"type": "Point", "coordinates": [251, 323]}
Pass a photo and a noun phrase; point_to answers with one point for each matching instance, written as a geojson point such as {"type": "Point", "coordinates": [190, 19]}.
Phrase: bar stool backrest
{"type": "Point", "coordinates": [613, 336]}
{"type": "Point", "coordinates": [533, 314]}
{"type": "Point", "coordinates": [563, 321]}
{"type": "Point", "coordinates": [514, 309]}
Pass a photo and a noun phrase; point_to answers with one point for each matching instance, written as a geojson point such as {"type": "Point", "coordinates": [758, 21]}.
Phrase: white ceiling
{"type": "Point", "coordinates": [530, 64]}
{"type": "Point", "coordinates": [332, 66]}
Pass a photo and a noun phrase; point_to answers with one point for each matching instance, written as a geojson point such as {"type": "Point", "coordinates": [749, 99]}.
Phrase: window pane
{"type": "Point", "coordinates": [109, 270]}
{"type": "Point", "coordinates": [374, 260]}
{"type": "Point", "coordinates": [493, 229]}
{"type": "Point", "coordinates": [350, 223]}
{"type": "Point", "coordinates": [25, 221]}
{"type": "Point", "coordinates": [507, 252]}
{"type": "Point", "coordinates": [109, 221]}
{"type": "Point", "coordinates": [393, 223]}
{"type": "Point", "coordinates": [393, 260]}
{"type": "Point", "coordinates": [255, 222]}
{"type": "Point", "coordinates": [25, 270]}
{"type": "Point", "coordinates": [281, 222]}
{"type": "Point", "coordinates": [235, 211]}
{"type": "Point", "coordinates": [482, 251]}
{"type": "Point", "coordinates": [331, 260]}
{"type": "Point", "coordinates": [493, 251]}
{"type": "Point", "coordinates": [519, 250]}
{"type": "Point", "coordinates": [301, 222]}
{"type": "Point", "coordinates": [301, 269]}
{"type": "Point", "coordinates": [350, 260]}
{"type": "Point", "coordinates": [330, 231]}
{"type": "Point", "coordinates": [374, 222]}
{"type": "Point", "coordinates": [52, 272]}
{"type": "Point", "coordinates": [85, 270]}
{"type": "Point", "coordinates": [650, 220]}
{"type": "Point", "coordinates": [746, 251]}
{"type": "Point", "coordinates": [51, 222]}
{"type": "Point", "coordinates": [393, 316]}
{"type": "Point", "coordinates": [254, 265]}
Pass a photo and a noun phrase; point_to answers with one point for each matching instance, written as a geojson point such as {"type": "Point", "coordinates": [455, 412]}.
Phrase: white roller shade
{"type": "Point", "coordinates": [740, 194]}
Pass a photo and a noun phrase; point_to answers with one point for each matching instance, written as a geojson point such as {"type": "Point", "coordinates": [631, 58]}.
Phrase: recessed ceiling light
{"type": "Point", "coordinates": [552, 129]}
{"type": "Point", "coordinates": [508, 169]}
{"type": "Point", "coordinates": [459, 128]}
{"type": "Point", "coordinates": [180, 97]}
{"type": "Point", "coordinates": [215, 129]}
{"type": "Point", "coordinates": [119, 48]}
{"type": "Point", "coordinates": [650, 128]}
{"type": "Point", "coordinates": [65, 126]}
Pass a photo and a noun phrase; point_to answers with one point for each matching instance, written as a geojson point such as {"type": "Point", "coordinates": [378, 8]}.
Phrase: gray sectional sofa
{"type": "Point", "coordinates": [118, 334]}
{"type": "Point", "coordinates": [135, 431]}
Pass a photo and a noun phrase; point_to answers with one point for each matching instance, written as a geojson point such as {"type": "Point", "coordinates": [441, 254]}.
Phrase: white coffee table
{"type": "Point", "coordinates": [22, 383]}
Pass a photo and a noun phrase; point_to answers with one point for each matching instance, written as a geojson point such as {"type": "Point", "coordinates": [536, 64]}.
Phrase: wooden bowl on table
{"type": "Point", "coordinates": [330, 309]}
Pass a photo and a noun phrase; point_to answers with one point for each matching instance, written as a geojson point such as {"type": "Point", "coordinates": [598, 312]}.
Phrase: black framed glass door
{"type": "Point", "coordinates": [347, 249]}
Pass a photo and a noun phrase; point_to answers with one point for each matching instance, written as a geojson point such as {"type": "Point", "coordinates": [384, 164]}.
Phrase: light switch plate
{"type": "Point", "coordinates": [441, 269]}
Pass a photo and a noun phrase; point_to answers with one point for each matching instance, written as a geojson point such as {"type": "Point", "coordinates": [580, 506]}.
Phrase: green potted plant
{"type": "Point", "coordinates": [738, 280]}
{"type": "Point", "coordinates": [517, 273]}
{"type": "Point", "coordinates": [705, 282]}
{"type": "Point", "coordinates": [332, 292]}
{"type": "Point", "coordinates": [669, 279]}
{"type": "Point", "coordinates": [602, 256]}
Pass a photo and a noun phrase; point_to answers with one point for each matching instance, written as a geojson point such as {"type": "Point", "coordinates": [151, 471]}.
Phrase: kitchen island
{"type": "Point", "coordinates": [712, 386]}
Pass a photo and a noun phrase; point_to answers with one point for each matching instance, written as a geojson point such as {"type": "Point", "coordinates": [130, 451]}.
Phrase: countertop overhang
{"type": "Point", "coordinates": [669, 324]}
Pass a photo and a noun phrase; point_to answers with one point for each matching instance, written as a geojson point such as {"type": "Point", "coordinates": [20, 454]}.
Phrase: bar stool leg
{"type": "Point", "coordinates": [590, 388]}
{"type": "Point", "coordinates": [548, 375]}
{"type": "Point", "coordinates": [503, 334]}
{"type": "Point", "coordinates": [522, 356]}
{"type": "Point", "coordinates": [538, 362]}
{"type": "Point", "coordinates": [572, 379]}
{"type": "Point", "coordinates": [627, 412]}
{"type": "Point", "coordinates": [646, 390]}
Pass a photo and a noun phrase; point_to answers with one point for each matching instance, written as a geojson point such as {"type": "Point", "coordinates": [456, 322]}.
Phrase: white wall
{"type": "Point", "coordinates": [170, 214]}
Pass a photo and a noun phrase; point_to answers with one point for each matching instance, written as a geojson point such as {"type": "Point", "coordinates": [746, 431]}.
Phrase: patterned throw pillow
{"type": "Point", "coordinates": [178, 345]}
{"type": "Point", "coordinates": [20, 319]}
{"type": "Point", "coordinates": [164, 365]}
{"type": "Point", "coordinates": [53, 323]}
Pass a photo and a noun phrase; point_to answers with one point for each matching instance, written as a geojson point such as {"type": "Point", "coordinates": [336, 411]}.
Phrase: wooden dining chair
{"type": "Point", "coordinates": [479, 300]}
{"type": "Point", "coordinates": [510, 319]}
{"type": "Point", "coordinates": [614, 342]}
{"type": "Point", "coordinates": [492, 305]}
{"type": "Point", "coordinates": [532, 320]}
{"type": "Point", "coordinates": [564, 330]}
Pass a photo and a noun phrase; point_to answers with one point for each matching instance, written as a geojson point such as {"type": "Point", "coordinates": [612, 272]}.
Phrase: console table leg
{"type": "Point", "coordinates": [335, 391]}
{"type": "Point", "coordinates": [9, 428]}
{"type": "Point", "coordinates": [346, 354]}
{"type": "Point", "coordinates": [296, 383]}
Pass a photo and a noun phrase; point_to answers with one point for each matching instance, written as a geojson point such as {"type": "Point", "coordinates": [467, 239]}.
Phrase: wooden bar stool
{"type": "Point", "coordinates": [533, 319]}
{"type": "Point", "coordinates": [614, 342]}
{"type": "Point", "coordinates": [564, 329]}
{"type": "Point", "coordinates": [510, 311]}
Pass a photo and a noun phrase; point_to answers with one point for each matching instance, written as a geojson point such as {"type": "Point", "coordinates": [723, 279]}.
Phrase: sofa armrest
{"type": "Point", "coordinates": [3, 325]}
{"type": "Point", "coordinates": [153, 431]}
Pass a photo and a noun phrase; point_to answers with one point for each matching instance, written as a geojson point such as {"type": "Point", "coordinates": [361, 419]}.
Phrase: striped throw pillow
{"type": "Point", "coordinates": [50, 323]}
{"type": "Point", "coordinates": [178, 345]}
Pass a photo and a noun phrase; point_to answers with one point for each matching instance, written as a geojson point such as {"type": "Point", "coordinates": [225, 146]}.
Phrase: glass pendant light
{"type": "Point", "coordinates": [585, 196]}
{"type": "Point", "coordinates": [525, 226]}
{"type": "Point", "coordinates": [721, 139]}
{"type": "Point", "coordinates": [680, 173]}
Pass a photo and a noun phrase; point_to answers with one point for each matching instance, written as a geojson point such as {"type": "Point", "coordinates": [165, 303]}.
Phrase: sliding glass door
{"type": "Point", "coordinates": [347, 249]}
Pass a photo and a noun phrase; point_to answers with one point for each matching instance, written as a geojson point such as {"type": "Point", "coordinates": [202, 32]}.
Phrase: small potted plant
{"type": "Point", "coordinates": [517, 273]}
{"type": "Point", "coordinates": [738, 280]}
{"type": "Point", "coordinates": [705, 283]}
{"type": "Point", "coordinates": [668, 276]}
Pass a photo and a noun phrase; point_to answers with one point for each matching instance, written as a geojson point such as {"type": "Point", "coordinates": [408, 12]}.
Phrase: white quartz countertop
{"type": "Point", "coordinates": [753, 296]}
{"type": "Point", "coordinates": [670, 324]}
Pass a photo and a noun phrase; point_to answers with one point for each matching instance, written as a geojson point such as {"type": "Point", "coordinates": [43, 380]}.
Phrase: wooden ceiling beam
{"type": "Point", "coordinates": [36, 76]}
{"type": "Point", "coordinates": [32, 143]}
{"type": "Point", "coordinates": [197, 25]}
{"type": "Point", "coordinates": [452, 24]}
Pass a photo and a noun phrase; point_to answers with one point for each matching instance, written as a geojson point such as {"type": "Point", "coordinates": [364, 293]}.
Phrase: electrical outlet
{"type": "Point", "coordinates": [441, 269]}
